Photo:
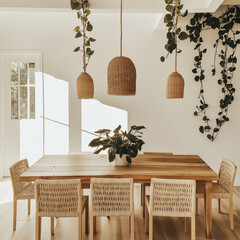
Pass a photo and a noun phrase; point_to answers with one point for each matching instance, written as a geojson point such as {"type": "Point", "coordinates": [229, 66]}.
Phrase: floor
{"type": "Point", "coordinates": [115, 228]}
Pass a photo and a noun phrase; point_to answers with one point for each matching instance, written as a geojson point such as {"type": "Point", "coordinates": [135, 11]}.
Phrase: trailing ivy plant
{"type": "Point", "coordinates": [83, 12]}
{"type": "Point", "coordinates": [174, 33]}
{"type": "Point", "coordinates": [225, 53]}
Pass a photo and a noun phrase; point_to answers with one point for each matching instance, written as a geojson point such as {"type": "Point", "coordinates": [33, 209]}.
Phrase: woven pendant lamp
{"type": "Point", "coordinates": [121, 73]}
{"type": "Point", "coordinates": [175, 82]}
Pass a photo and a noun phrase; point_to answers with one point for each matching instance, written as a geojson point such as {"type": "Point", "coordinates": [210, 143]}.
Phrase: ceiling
{"type": "Point", "coordinates": [103, 6]}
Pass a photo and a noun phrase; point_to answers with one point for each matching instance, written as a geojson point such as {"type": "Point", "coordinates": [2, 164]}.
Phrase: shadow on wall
{"type": "Point", "coordinates": [96, 115]}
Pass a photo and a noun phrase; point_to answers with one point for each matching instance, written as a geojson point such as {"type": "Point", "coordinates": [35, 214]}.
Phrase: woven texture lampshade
{"type": "Point", "coordinates": [175, 86]}
{"type": "Point", "coordinates": [121, 77]}
{"type": "Point", "coordinates": [85, 86]}
{"type": "Point", "coordinates": [121, 72]}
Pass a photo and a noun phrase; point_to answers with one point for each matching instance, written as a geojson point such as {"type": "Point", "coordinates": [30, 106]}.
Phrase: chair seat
{"type": "Point", "coordinates": [27, 193]}
{"type": "Point", "coordinates": [217, 191]}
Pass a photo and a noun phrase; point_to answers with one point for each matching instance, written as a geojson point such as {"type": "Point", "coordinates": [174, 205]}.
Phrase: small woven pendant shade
{"type": "Point", "coordinates": [121, 77]}
{"type": "Point", "coordinates": [175, 86]}
{"type": "Point", "coordinates": [121, 73]}
{"type": "Point", "coordinates": [175, 82]}
{"type": "Point", "coordinates": [85, 86]}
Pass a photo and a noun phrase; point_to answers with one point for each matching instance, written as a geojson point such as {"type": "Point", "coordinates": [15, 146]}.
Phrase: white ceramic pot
{"type": "Point", "coordinates": [121, 161]}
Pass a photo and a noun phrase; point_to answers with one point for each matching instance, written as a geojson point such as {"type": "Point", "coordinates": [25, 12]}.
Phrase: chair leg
{"type": "Point", "coordinates": [95, 224]}
{"type": "Point", "coordinates": [38, 228]}
{"type": "Point", "coordinates": [52, 225]}
{"type": "Point", "coordinates": [80, 226]}
{"type": "Point", "coordinates": [193, 228]}
{"type": "Point", "coordinates": [186, 225]}
{"type": "Point", "coordinates": [231, 213]}
{"type": "Point", "coordinates": [219, 205]}
{"type": "Point", "coordinates": [29, 206]}
{"type": "Point", "coordinates": [87, 219]}
{"type": "Point", "coordinates": [196, 206]}
{"type": "Point", "coordinates": [14, 214]}
{"type": "Point", "coordinates": [143, 198]}
{"type": "Point", "coordinates": [132, 226]}
{"type": "Point", "coordinates": [146, 220]}
{"type": "Point", "coordinates": [150, 227]}
{"type": "Point", "coordinates": [91, 226]}
{"type": "Point", "coordinates": [141, 194]}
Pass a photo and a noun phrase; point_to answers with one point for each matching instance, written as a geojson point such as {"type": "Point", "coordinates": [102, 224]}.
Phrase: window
{"type": "Point", "coordinates": [22, 90]}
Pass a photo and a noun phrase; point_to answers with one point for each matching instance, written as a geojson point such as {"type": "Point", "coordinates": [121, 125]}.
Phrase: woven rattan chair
{"type": "Point", "coordinates": [170, 198]}
{"type": "Point", "coordinates": [111, 197]}
{"type": "Point", "coordinates": [223, 189]}
{"type": "Point", "coordinates": [60, 198]}
{"type": "Point", "coordinates": [21, 190]}
{"type": "Point", "coordinates": [145, 188]}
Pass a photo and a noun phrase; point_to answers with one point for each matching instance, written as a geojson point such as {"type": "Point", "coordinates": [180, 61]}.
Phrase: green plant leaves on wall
{"type": "Point", "coordinates": [225, 50]}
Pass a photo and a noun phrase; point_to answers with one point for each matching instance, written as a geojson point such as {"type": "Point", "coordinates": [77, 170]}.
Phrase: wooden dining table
{"type": "Point", "coordinates": [142, 169]}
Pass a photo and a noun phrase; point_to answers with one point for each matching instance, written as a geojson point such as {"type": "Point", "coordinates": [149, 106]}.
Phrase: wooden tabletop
{"type": "Point", "coordinates": [143, 168]}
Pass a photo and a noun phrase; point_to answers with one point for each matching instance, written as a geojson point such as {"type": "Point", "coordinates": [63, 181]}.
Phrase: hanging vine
{"type": "Point", "coordinates": [174, 33]}
{"type": "Point", "coordinates": [83, 12]}
{"type": "Point", "coordinates": [225, 52]}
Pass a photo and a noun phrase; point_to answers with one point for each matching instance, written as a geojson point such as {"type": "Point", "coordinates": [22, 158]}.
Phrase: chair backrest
{"type": "Point", "coordinates": [111, 197]}
{"type": "Point", "coordinates": [227, 174]}
{"type": "Point", "coordinates": [170, 197]}
{"type": "Point", "coordinates": [15, 171]}
{"type": "Point", "coordinates": [158, 153]}
{"type": "Point", "coordinates": [58, 198]}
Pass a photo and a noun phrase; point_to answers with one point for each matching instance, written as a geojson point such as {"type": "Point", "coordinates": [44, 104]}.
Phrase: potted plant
{"type": "Point", "coordinates": [122, 145]}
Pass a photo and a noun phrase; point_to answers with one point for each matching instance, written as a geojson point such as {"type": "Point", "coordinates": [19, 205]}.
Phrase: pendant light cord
{"type": "Point", "coordinates": [176, 5]}
{"type": "Point", "coordinates": [121, 28]}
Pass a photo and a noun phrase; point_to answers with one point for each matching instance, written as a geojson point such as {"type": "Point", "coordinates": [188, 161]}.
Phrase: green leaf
{"type": "Point", "coordinates": [92, 39]}
{"type": "Point", "coordinates": [111, 155]}
{"type": "Point", "coordinates": [79, 34]}
{"type": "Point", "coordinates": [162, 59]}
{"type": "Point", "coordinates": [77, 28]}
{"type": "Point", "coordinates": [201, 129]}
{"type": "Point", "coordinates": [183, 36]}
{"type": "Point", "coordinates": [84, 19]}
{"type": "Point", "coordinates": [169, 8]}
{"type": "Point", "coordinates": [77, 49]}
{"type": "Point", "coordinates": [95, 142]}
{"type": "Point", "coordinates": [167, 18]}
{"type": "Point", "coordinates": [87, 43]}
{"type": "Point", "coordinates": [89, 27]}
{"type": "Point", "coordinates": [78, 15]}
{"type": "Point", "coordinates": [103, 131]}
{"type": "Point", "coordinates": [116, 130]}
{"type": "Point", "coordinates": [185, 14]}
{"type": "Point", "coordinates": [129, 160]}
{"type": "Point", "coordinates": [168, 1]}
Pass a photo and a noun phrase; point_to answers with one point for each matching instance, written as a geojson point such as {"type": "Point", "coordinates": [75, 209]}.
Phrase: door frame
{"type": "Point", "coordinates": [2, 54]}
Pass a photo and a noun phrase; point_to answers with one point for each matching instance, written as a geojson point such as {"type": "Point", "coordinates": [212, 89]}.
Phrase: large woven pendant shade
{"type": "Point", "coordinates": [121, 73]}
{"type": "Point", "coordinates": [175, 82]}
{"type": "Point", "coordinates": [85, 86]}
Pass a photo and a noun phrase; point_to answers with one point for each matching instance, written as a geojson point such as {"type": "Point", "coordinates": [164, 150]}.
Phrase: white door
{"type": "Point", "coordinates": [22, 101]}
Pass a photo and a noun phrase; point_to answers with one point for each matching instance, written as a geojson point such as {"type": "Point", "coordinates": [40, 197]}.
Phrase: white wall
{"type": "Point", "coordinates": [170, 124]}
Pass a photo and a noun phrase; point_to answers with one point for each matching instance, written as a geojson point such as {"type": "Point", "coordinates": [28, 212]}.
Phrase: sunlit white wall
{"type": "Point", "coordinates": [56, 107]}
{"type": "Point", "coordinates": [95, 115]}
{"type": "Point", "coordinates": [31, 130]}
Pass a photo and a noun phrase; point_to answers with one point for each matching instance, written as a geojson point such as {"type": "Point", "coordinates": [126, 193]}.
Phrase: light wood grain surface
{"type": "Point", "coordinates": [143, 168]}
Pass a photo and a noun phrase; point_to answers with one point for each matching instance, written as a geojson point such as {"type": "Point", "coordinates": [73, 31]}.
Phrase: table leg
{"type": "Point", "coordinates": [208, 208]}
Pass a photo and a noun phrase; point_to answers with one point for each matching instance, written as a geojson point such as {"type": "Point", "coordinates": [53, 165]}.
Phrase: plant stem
{"type": "Point", "coordinates": [176, 15]}
{"type": "Point", "coordinates": [84, 47]}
